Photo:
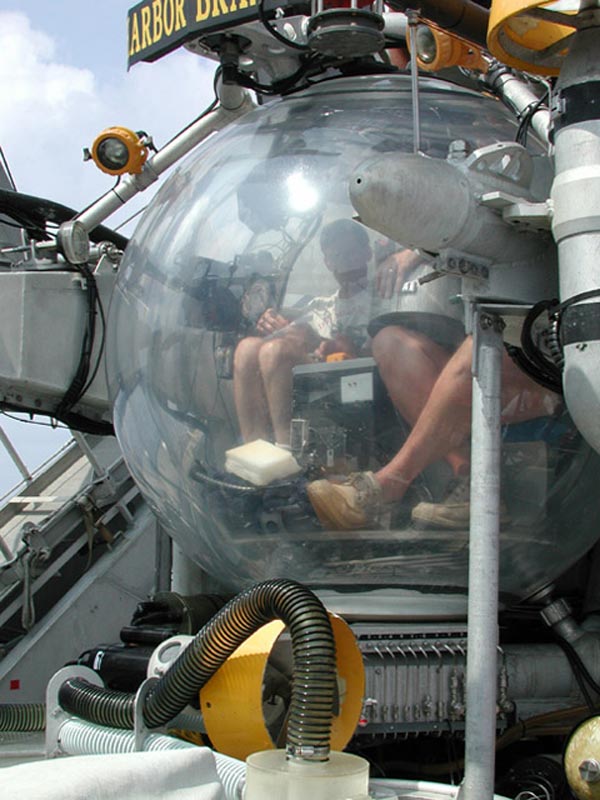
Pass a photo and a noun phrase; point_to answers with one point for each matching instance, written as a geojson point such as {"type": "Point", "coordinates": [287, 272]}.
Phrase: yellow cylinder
{"type": "Point", "coordinates": [232, 700]}
{"type": "Point", "coordinates": [531, 36]}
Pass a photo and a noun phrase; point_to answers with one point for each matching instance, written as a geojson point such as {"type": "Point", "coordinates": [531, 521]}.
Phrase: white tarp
{"type": "Point", "coordinates": [166, 775]}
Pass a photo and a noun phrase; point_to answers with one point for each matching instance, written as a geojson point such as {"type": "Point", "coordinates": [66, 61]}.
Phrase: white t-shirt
{"type": "Point", "coordinates": [330, 316]}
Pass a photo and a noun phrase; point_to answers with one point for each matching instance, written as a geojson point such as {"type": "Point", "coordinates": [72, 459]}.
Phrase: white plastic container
{"type": "Point", "coordinates": [260, 462]}
{"type": "Point", "coordinates": [271, 775]}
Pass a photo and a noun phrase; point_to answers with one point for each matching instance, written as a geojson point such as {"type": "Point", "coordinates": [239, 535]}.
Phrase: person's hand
{"type": "Point", "coordinates": [270, 322]}
{"type": "Point", "coordinates": [391, 273]}
{"type": "Point", "coordinates": [341, 344]}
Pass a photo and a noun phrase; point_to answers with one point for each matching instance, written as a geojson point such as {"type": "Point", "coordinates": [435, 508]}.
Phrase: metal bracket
{"type": "Point", "coordinates": [484, 319]}
{"type": "Point", "coordinates": [140, 729]}
{"type": "Point", "coordinates": [55, 714]}
{"type": "Point", "coordinates": [454, 262]}
{"type": "Point", "coordinates": [35, 541]}
{"type": "Point", "coordinates": [517, 211]}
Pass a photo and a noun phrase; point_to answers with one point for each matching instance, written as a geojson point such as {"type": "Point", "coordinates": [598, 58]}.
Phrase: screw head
{"type": "Point", "coordinates": [589, 770]}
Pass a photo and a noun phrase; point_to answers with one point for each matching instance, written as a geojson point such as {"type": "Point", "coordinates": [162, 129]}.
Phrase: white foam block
{"type": "Point", "coordinates": [260, 462]}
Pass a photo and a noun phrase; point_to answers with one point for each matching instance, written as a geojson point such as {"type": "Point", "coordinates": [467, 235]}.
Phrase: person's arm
{"type": "Point", "coordinates": [270, 322]}
{"type": "Point", "coordinates": [392, 272]}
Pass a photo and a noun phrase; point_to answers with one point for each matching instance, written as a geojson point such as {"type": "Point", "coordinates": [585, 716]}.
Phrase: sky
{"type": "Point", "coordinates": [64, 79]}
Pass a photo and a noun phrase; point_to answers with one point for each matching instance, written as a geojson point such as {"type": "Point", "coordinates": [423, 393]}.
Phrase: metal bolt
{"type": "Point", "coordinates": [458, 149]}
{"type": "Point", "coordinates": [590, 770]}
{"type": "Point", "coordinates": [486, 321]}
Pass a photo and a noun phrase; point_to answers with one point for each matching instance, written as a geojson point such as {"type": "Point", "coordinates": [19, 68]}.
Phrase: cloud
{"type": "Point", "coordinates": [43, 101]}
{"type": "Point", "coordinates": [53, 110]}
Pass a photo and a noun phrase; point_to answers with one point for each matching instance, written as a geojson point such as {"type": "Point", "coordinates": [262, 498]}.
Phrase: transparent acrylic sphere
{"type": "Point", "coordinates": [236, 230]}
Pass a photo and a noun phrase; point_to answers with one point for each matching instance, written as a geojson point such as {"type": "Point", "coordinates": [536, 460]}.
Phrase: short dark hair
{"type": "Point", "coordinates": [339, 230]}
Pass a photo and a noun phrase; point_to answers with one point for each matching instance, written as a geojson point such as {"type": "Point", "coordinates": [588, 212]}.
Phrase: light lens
{"type": "Point", "coordinates": [426, 44]}
{"type": "Point", "coordinates": [113, 153]}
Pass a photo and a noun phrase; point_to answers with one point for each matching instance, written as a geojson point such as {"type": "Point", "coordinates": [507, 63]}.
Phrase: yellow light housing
{"type": "Point", "coordinates": [531, 36]}
{"type": "Point", "coordinates": [437, 49]}
{"type": "Point", "coordinates": [118, 150]}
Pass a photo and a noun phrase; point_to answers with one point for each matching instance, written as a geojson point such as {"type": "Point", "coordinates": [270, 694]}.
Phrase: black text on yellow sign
{"type": "Point", "coordinates": [155, 27]}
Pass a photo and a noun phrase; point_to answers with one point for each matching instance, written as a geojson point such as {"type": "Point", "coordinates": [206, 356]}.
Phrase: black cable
{"type": "Point", "coordinates": [533, 353]}
{"type": "Point", "coordinates": [33, 422]}
{"type": "Point", "coordinates": [80, 379]}
{"type": "Point", "coordinates": [525, 365]}
{"type": "Point", "coordinates": [526, 117]}
{"type": "Point", "coordinates": [574, 655]}
{"type": "Point", "coordinates": [284, 85]}
{"type": "Point", "coordinates": [100, 348]}
{"type": "Point", "coordinates": [74, 421]}
{"type": "Point", "coordinates": [578, 298]}
{"type": "Point", "coordinates": [529, 358]}
{"type": "Point", "coordinates": [275, 33]}
{"type": "Point", "coordinates": [577, 674]}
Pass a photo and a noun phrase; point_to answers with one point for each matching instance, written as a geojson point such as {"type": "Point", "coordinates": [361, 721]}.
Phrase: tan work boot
{"type": "Point", "coordinates": [453, 513]}
{"type": "Point", "coordinates": [349, 505]}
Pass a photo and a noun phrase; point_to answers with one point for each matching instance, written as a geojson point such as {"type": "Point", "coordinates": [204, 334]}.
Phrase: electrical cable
{"type": "Point", "coordinates": [79, 380]}
{"type": "Point", "coordinates": [274, 32]}
{"type": "Point", "coordinates": [284, 85]}
{"type": "Point", "coordinates": [132, 217]}
{"type": "Point", "coordinates": [33, 422]}
{"type": "Point", "coordinates": [100, 348]}
{"type": "Point", "coordinates": [576, 659]}
{"type": "Point", "coordinates": [546, 367]}
{"type": "Point", "coordinates": [529, 358]}
{"type": "Point", "coordinates": [526, 118]}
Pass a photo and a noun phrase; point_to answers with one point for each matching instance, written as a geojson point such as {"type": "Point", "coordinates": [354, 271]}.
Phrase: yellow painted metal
{"type": "Point", "coordinates": [137, 152]}
{"type": "Point", "coordinates": [232, 701]}
{"type": "Point", "coordinates": [531, 36]}
{"type": "Point", "coordinates": [451, 51]}
{"type": "Point", "coordinates": [583, 746]}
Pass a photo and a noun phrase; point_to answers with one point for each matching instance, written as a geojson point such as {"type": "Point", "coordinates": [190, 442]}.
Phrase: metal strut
{"type": "Point", "coordinates": [482, 631]}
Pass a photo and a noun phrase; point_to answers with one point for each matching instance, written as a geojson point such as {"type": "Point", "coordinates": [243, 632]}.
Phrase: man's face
{"type": "Point", "coordinates": [347, 260]}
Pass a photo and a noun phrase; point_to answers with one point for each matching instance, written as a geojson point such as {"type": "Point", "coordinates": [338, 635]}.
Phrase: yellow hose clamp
{"type": "Point", "coordinates": [119, 150]}
{"type": "Point", "coordinates": [531, 36]}
{"type": "Point", "coordinates": [241, 718]}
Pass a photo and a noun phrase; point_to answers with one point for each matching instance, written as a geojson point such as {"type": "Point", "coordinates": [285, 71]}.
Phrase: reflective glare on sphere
{"type": "Point", "coordinates": [249, 306]}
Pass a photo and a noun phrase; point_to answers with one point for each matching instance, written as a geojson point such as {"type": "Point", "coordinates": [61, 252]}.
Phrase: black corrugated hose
{"type": "Point", "coordinates": [314, 679]}
{"type": "Point", "coordinates": [25, 717]}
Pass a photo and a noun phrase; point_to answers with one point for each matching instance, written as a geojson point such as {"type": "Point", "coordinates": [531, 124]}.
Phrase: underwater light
{"type": "Point", "coordinates": [119, 150]}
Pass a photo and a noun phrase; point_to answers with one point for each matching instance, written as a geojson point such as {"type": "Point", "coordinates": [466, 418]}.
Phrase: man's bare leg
{"type": "Point", "coordinates": [277, 357]}
{"type": "Point", "coordinates": [410, 365]}
{"type": "Point", "coordinates": [444, 425]}
{"type": "Point", "coordinates": [248, 390]}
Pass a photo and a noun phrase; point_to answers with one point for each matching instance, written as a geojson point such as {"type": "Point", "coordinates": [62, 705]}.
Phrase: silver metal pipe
{"type": "Point", "coordinates": [413, 20]}
{"type": "Point", "coordinates": [575, 199]}
{"type": "Point", "coordinates": [16, 458]}
{"type": "Point", "coordinates": [517, 95]}
{"type": "Point", "coordinates": [235, 102]}
{"type": "Point", "coordinates": [482, 637]}
{"type": "Point", "coordinates": [395, 24]}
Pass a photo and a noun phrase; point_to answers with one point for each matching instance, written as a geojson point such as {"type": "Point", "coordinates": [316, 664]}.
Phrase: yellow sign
{"type": "Point", "coordinates": [156, 27]}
